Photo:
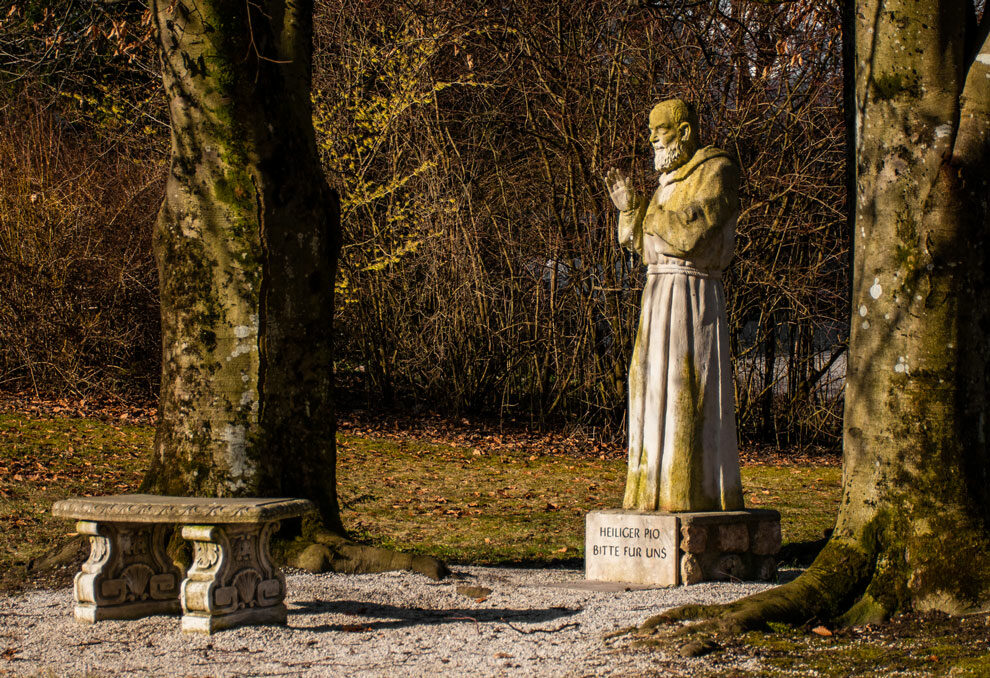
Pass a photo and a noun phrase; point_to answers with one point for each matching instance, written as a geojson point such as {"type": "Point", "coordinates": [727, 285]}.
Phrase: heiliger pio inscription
{"type": "Point", "coordinates": [631, 546]}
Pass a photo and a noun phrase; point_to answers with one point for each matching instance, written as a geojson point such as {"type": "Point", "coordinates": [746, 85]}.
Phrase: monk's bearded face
{"type": "Point", "coordinates": [668, 157]}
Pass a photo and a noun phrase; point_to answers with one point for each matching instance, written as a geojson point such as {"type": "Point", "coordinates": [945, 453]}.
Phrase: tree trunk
{"type": "Point", "coordinates": [246, 243]}
{"type": "Point", "coordinates": [912, 531]}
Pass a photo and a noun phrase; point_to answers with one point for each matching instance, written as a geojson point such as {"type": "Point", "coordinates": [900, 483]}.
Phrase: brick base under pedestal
{"type": "Point", "coordinates": [729, 545]}
{"type": "Point", "coordinates": [707, 546]}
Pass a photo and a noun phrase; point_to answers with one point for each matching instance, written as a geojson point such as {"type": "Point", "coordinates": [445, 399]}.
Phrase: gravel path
{"type": "Point", "coordinates": [533, 624]}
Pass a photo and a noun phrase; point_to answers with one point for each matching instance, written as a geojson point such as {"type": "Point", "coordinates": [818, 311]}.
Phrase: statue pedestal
{"type": "Point", "coordinates": [668, 549]}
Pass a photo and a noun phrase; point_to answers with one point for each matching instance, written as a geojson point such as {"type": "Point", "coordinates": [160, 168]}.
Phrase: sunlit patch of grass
{"type": "Point", "coordinates": [909, 645]}
{"type": "Point", "coordinates": [470, 504]}
{"type": "Point", "coordinates": [806, 496]}
{"type": "Point", "coordinates": [475, 505]}
{"type": "Point", "coordinates": [843, 657]}
{"type": "Point", "coordinates": [43, 460]}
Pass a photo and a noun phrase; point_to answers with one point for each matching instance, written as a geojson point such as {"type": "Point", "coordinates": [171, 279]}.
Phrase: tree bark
{"type": "Point", "coordinates": [246, 242]}
{"type": "Point", "coordinates": [912, 530]}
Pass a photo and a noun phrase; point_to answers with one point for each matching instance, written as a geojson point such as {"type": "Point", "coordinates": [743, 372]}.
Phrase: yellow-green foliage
{"type": "Point", "coordinates": [115, 109]}
{"type": "Point", "coordinates": [364, 131]}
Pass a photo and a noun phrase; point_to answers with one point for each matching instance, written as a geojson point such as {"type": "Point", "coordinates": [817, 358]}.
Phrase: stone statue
{"type": "Point", "coordinates": [683, 453]}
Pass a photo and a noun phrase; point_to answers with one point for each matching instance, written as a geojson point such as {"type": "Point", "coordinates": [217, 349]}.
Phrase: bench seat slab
{"type": "Point", "coordinates": [152, 508]}
{"type": "Point", "coordinates": [232, 580]}
{"type": "Point", "coordinates": [128, 574]}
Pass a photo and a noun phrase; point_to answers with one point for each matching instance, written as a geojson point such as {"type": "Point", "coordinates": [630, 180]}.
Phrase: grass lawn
{"type": "Point", "coordinates": [43, 460]}
{"type": "Point", "coordinates": [464, 504]}
{"type": "Point", "coordinates": [468, 503]}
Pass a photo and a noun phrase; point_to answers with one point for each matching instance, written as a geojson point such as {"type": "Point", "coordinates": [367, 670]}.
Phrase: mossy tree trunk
{"type": "Point", "coordinates": [916, 474]}
{"type": "Point", "coordinates": [912, 531]}
{"type": "Point", "coordinates": [246, 242]}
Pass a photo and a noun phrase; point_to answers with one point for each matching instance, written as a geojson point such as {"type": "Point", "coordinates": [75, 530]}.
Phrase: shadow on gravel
{"type": "Point", "coordinates": [392, 617]}
{"type": "Point", "coordinates": [534, 563]}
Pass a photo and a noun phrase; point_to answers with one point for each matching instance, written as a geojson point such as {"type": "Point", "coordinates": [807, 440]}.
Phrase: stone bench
{"type": "Point", "coordinates": [231, 582]}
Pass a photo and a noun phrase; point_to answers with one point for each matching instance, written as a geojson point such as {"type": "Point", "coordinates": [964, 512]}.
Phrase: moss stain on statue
{"type": "Point", "coordinates": [636, 480]}
{"type": "Point", "coordinates": [684, 489]}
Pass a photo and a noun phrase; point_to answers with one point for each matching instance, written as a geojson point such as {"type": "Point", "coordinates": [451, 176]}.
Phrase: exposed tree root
{"type": "Point", "coordinates": [322, 551]}
{"type": "Point", "coordinates": [886, 568]}
{"type": "Point", "coordinates": [836, 583]}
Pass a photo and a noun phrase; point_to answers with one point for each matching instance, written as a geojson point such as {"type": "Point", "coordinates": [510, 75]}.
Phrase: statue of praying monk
{"type": "Point", "coordinates": [683, 453]}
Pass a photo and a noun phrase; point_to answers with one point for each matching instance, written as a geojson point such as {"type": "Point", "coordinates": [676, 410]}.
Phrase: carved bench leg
{"type": "Point", "coordinates": [128, 573]}
{"type": "Point", "coordinates": [232, 581]}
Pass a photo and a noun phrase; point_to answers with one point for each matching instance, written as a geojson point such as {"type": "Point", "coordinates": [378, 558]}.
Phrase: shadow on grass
{"type": "Point", "coordinates": [802, 553]}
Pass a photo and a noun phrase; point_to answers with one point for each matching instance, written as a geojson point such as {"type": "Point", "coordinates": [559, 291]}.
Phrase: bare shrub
{"type": "Point", "coordinates": [78, 300]}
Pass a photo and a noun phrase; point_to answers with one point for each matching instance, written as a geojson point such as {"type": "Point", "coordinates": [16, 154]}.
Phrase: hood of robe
{"type": "Point", "coordinates": [700, 156]}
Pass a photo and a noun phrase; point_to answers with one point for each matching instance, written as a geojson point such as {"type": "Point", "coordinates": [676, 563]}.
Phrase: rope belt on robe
{"type": "Point", "coordinates": [684, 269]}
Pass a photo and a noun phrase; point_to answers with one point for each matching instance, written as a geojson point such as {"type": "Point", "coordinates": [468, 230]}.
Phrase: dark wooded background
{"type": "Point", "coordinates": [480, 271]}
